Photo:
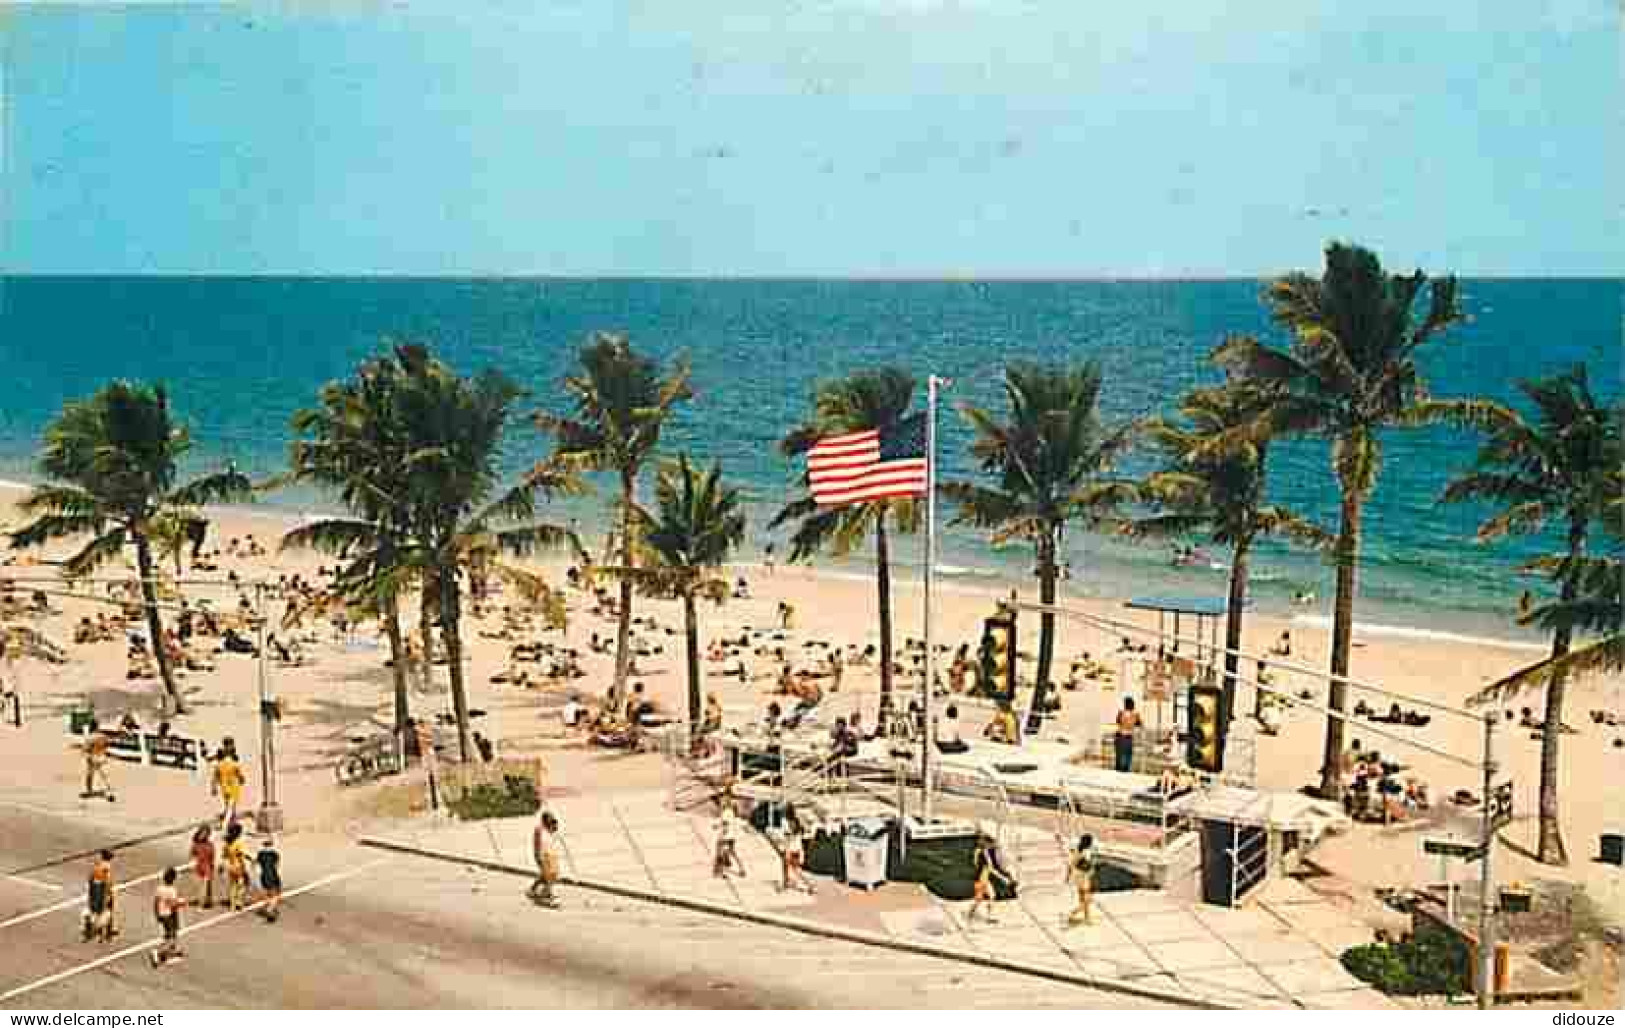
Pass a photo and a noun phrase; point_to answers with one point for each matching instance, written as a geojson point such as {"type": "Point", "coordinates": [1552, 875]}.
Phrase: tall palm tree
{"type": "Point", "coordinates": [455, 507]}
{"type": "Point", "coordinates": [1050, 464]}
{"type": "Point", "coordinates": [878, 399]}
{"type": "Point", "coordinates": [114, 459]}
{"type": "Point", "coordinates": [1223, 494]}
{"type": "Point", "coordinates": [1598, 608]}
{"type": "Point", "coordinates": [622, 401]}
{"type": "Point", "coordinates": [357, 446]}
{"type": "Point", "coordinates": [1558, 469]}
{"type": "Point", "coordinates": [697, 521]}
{"type": "Point", "coordinates": [1349, 374]}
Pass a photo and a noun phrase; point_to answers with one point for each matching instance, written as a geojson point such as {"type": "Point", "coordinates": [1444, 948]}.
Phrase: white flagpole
{"type": "Point", "coordinates": [929, 742]}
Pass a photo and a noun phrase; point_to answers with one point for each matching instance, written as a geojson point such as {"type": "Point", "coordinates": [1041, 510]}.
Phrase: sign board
{"type": "Point", "coordinates": [125, 746]}
{"type": "Point", "coordinates": [173, 751]}
{"type": "Point", "coordinates": [1444, 847]}
{"type": "Point", "coordinates": [1501, 806]}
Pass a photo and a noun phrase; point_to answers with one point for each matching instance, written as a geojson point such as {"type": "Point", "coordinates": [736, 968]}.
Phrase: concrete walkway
{"type": "Point", "coordinates": [1278, 952]}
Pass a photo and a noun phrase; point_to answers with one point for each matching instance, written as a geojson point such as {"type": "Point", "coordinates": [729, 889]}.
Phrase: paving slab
{"type": "Point", "coordinates": [1350, 999]}
{"type": "Point", "coordinates": [1195, 955]}
{"type": "Point", "coordinates": [1278, 947]}
{"type": "Point", "coordinates": [1163, 927]}
{"type": "Point", "coordinates": [1242, 986]}
{"type": "Point", "coordinates": [1133, 902]}
{"type": "Point", "coordinates": [1307, 977]}
{"type": "Point", "coordinates": [1117, 962]}
{"type": "Point", "coordinates": [1237, 920]}
{"type": "Point", "coordinates": [1102, 934]}
{"type": "Point", "coordinates": [1310, 918]}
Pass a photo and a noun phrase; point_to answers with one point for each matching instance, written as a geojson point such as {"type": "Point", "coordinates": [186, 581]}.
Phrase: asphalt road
{"type": "Point", "coordinates": [380, 931]}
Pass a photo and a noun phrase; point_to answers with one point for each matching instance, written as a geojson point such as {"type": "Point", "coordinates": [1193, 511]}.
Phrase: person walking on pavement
{"type": "Point", "coordinates": [100, 895]}
{"type": "Point", "coordinates": [727, 852]}
{"type": "Point", "coordinates": [203, 865]}
{"type": "Point", "coordinates": [228, 778]}
{"type": "Point", "coordinates": [545, 850]}
{"type": "Point", "coordinates": [236, 858]}
{"type": "Point", "coordinates": [96, 781]}
{"type": "Point", "coordinates": [270, 862]}
{"type": "Point", "coordinates": [167, 904]}
{"type": "Point", "coordinates": [793, 856]}
{"type": "Point", "coordinates": [987, 870]}
{"type": "Point", "coordinates": [1080, 871]}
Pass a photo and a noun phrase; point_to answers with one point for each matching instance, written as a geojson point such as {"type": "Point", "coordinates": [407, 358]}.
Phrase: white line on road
{"type": "Point", "coordinates": [34, 915]}
{"type": "Point", "coordinates": [20, 880]}
{"type": "Point", "coordinates": [23, 990]}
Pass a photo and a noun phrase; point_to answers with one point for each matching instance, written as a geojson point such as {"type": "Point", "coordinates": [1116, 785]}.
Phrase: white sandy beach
{"type": "Point", "coordinates": [347, 688]}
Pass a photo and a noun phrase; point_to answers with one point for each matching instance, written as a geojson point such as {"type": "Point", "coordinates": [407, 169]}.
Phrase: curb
{"type": "Point", "coordinates": [814, 928]}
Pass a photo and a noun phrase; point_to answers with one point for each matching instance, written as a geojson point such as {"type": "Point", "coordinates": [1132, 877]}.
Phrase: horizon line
{"type": "Point", "coordinates": [852, 278]}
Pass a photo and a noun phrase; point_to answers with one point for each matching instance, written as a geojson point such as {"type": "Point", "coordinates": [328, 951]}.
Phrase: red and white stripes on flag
{"type": "Point", "coordinates": [869, 465]}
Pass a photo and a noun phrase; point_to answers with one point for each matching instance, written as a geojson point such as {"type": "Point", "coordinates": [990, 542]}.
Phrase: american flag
{"type": "Point", "coordinates": [869, 465]}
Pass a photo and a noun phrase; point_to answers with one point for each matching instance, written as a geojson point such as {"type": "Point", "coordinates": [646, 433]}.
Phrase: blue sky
{"type": "Point", "coordinates": [821, 137]}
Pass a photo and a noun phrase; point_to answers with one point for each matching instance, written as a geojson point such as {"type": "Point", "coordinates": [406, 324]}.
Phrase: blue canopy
{"type": "Point", "coordinates": [1201, 606]}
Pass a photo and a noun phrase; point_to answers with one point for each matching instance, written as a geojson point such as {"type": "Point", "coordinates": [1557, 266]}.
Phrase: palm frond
{"type": "Point", "coordinates": [101, 550]}
{"type": "Point", "coordinates": [1604, 656]}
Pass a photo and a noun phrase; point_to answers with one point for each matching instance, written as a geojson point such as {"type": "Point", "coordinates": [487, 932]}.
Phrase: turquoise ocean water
{"type": "Point", "coordinates": [240, 355]}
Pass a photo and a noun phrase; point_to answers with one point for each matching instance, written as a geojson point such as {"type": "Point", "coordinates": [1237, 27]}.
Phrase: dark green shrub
{"type": "Point", "coordinates": [1433, 964]}
{"type": "Point", "coordinates": [1380, 966]}
{"type": "Point", "coordinates": [516, 797]}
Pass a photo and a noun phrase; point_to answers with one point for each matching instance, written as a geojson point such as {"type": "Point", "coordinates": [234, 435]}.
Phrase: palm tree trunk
{"type": "Point", "coordinates": [397, 665]}
{"type": "Point", "coordinates": [623, 628]}
{"type": "Point", "coordinates": [1348, 556]}
{"type": "Point", "coordinates": [450, 632]}
{"type": "Point", "coordinates": [426, 642]}
{"type": "Point", "coordinates": [1046, 631]}
{"type": "Point", "coordinates": [155, 625]}
{"type": "Point", "coordinates": [883, 588]}
{"type": "Point", "coordinates": [1232, 630]}
{"type": "Point", "coordinates": [691, 629]}
{"type": "Point", "coordinates": [1551, 849]}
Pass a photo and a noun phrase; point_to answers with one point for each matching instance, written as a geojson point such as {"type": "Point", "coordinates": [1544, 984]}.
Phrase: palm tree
{"type": "Point", "coordinates": [697, 522]}
{"type": "Point", "coordinates": [455, 513]}
{"type": "Point", "coordinates": [622, 402]}
{"type": "Point", "coordinates": [1222, 494]}
{"type": "Point", "coordinates": [878, 399]}
{"type": "Point", "coordinates": [115, 458]}
{"type": "Point", "coordinates": [1349, 373]}
{"type": "Point", "coordinates": [358, 447]}
{"type": "Point", "coordinates": [1050, 464]}
{"type": "Point", "coordinates": [1560, 468]}
{"type": "Point", "coordinates": [1598, 607]}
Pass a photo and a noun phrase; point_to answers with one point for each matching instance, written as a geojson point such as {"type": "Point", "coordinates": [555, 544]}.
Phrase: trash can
{"type": "Point", "coordinates": [864, 845]}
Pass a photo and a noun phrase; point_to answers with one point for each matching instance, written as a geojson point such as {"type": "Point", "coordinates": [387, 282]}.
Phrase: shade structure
{"type": "Point", "coordinates": [1201, 606]}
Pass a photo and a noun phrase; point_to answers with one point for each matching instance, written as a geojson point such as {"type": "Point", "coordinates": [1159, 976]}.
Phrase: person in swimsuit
{"type": "Point", "coordinates": [270, 862]}
{"type": "Point", "coordinates": [100, 897]}
{"type": "Point", "coordinates": [987, 871]}
{"type": "Point", "coordinates": [203, 857]}
{"type": "Point", "coordinates": [1080, 872]}
{"type": "Point", "coordinates": [166, 908]}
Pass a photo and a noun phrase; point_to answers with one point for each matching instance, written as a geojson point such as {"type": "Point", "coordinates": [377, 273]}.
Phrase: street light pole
{"type": "Point", "coordinates": [1486, 882]}
{"type": "Point", "coordinates": [269, 817]}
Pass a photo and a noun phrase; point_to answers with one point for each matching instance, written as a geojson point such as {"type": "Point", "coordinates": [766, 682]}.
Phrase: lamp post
{"type": "Point", "coordinates": [269, 817]}
{"type": "Point", "coordinates": [1486, 882]}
